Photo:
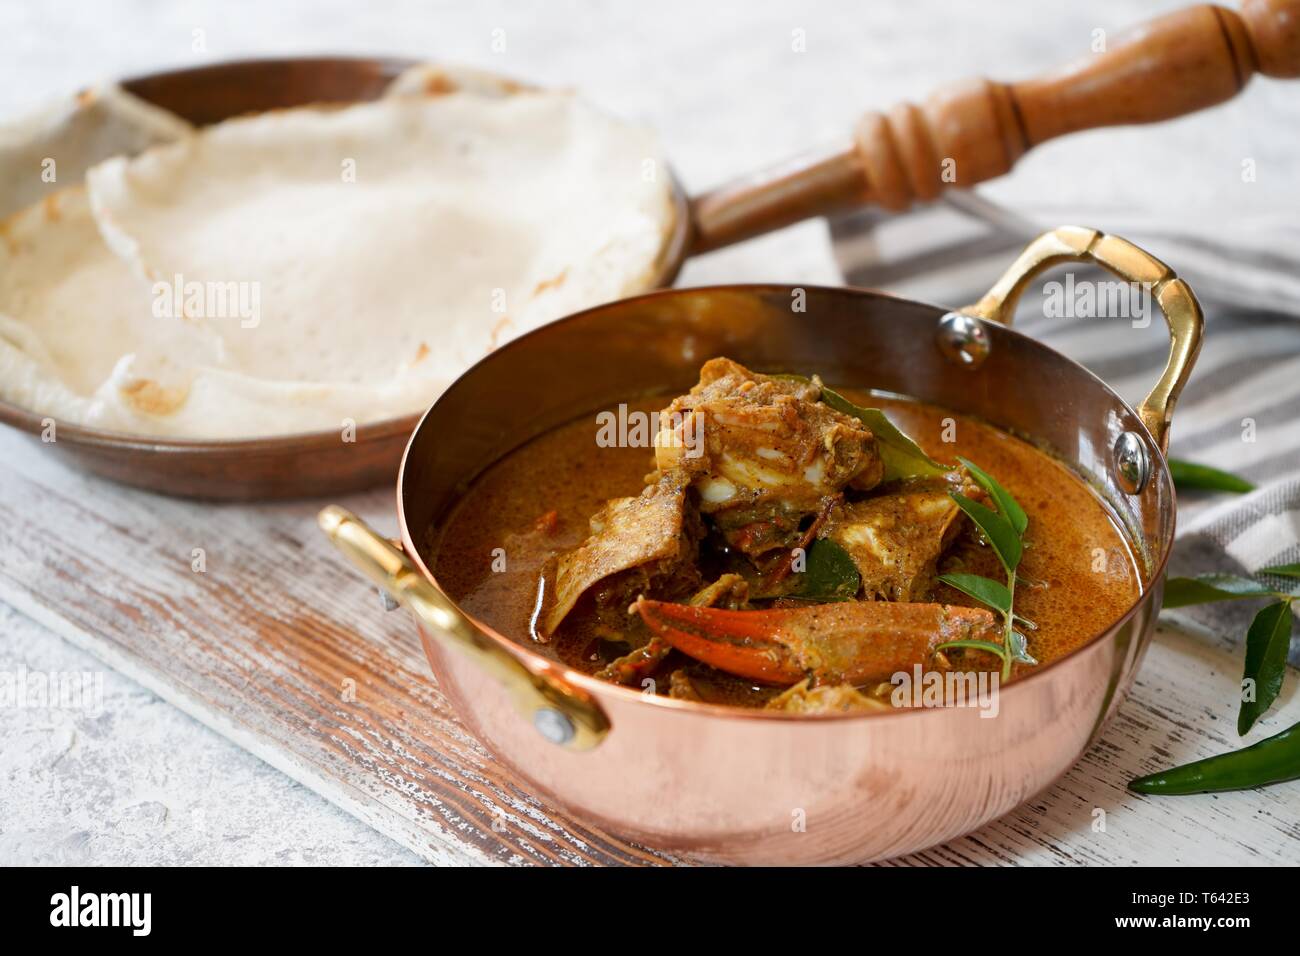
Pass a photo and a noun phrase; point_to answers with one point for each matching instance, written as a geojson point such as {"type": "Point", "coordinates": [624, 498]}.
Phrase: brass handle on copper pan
{"type": "Point", "coordinates": [1181, 310]}
{"type": "Point", "coordinates": [563, 714]}
{"type": "Point", "coordinates": [976, 130]}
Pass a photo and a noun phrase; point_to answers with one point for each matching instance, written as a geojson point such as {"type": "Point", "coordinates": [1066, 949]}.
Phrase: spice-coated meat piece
{"type": "Point", "coordinates": [763, 452]}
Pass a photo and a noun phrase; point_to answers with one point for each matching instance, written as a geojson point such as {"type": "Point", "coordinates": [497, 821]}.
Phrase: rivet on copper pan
{"type": "Point", "coordinates": [554, 725]}
{"type": "Point", "coordinates": [963, 339]}
{"type": "Point", "coordinates": [1132, 463]}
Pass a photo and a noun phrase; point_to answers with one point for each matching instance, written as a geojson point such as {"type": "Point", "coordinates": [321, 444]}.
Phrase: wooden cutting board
{"type": "Point", "coordinates": [243, 617]}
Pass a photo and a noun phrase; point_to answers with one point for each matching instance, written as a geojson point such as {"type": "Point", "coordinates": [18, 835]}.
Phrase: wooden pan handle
{"type": "Point", "coordinates": [976, 130]}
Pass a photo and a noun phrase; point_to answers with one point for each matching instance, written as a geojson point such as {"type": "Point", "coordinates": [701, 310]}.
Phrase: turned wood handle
{"type": "Point", "coordinates": [976, 130]}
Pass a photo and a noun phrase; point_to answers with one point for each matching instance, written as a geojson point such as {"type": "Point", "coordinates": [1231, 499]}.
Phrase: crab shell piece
{"type": "Point", "coordinates": [856, 642]}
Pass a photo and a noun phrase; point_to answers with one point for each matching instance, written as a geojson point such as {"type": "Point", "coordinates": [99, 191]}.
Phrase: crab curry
{"type": "Point", "coordinates": [783, 545]}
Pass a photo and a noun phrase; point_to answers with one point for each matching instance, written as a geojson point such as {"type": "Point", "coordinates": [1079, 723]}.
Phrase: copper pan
{"type": "Point", "coordinates": [745, 786]}
{"type": "Point", "coordinates": [959, 136]}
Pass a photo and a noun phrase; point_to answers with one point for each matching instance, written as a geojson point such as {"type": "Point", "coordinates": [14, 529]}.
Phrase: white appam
{"type": "Point", "coordinates": [387, 246]}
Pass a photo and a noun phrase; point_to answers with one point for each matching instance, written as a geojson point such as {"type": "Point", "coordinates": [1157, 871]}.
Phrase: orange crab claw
{"type": "Point", "coordinates": [856, 642]}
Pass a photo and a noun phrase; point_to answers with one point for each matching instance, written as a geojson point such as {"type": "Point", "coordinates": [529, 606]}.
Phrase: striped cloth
{"type": "Point", "coordinates": [1240, 411]}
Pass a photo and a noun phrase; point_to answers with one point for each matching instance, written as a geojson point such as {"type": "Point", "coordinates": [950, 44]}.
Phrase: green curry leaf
{"type": "Point", "coordinates": [1004, 530]}
{"type": "Point", "coordinates": [985, 590]}
{"type": "Point", "coordinates": [1205, 588]}
{"type": "Point", "coordinates": [829, 574]}
{"type": "Point", "coordinates": [1003, 538]}
{"type": "Point", "coordinates": [1008, 507]}
{"type": "Point", "coordinates": [1283, 570]}
{"type": "Point", "coordinates": [1267, 642]}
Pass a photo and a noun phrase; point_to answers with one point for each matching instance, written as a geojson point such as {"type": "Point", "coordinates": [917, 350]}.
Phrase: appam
{"type": "Point", "coordinates": [324, 267]}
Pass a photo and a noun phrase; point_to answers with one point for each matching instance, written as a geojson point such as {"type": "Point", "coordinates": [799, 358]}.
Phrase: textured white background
{"type": "Point", "coordinates": [140, 782]}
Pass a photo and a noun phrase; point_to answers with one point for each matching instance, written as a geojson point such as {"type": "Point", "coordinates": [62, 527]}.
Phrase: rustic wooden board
{"type": "Point", "coordinates": [261, 645]}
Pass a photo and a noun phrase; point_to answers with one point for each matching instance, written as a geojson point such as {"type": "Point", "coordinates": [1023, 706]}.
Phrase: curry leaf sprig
{"type": "Point", "coordinates": [1267, 639]}
{"type": "Point", "coordinates": [1003, 527]}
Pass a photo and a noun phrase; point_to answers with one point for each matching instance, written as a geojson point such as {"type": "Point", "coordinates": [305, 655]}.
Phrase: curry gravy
{"type": "Point", "coordinates": [1077, 577]}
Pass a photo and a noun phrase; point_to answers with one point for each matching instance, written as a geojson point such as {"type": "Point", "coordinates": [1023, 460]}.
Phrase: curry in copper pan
{"type": "Point", "coordinates": [765, 541]}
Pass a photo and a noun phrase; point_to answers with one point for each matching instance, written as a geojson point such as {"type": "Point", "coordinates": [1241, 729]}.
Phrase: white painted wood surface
{"type": "Point", "coordinates": [259, 645]}
{"type": "Point", "coordinates": [108, 569]}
